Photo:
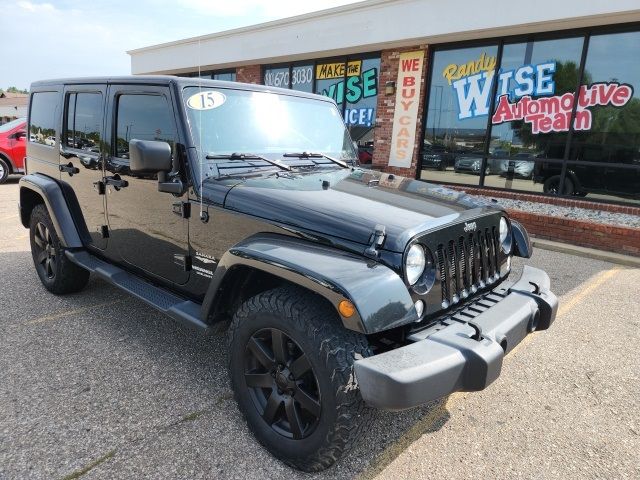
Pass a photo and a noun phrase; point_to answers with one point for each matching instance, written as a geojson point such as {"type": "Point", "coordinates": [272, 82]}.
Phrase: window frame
{"type": "Point", "coordinates": [585, 33]}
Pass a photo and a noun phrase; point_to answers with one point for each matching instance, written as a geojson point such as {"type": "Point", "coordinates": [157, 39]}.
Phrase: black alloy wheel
{"type": "Point", "coordinates": [282, 383]}
{"type": "Point", "coordinates": [45, 250]}
{"type": "Point", "coordinates": [291, 363]}
{"type": "Point", "coordinates": [56, 272]}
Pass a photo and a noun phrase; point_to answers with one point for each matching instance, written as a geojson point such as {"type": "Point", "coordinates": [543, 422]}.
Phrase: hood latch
{"type": "Point", "coordinates": [376, 242]}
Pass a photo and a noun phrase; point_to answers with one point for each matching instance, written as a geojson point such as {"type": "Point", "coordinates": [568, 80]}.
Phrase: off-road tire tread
{"type": "Point", "coordinates": [313, 317]}
{"type": "Point", "coordinates": [70, 278]}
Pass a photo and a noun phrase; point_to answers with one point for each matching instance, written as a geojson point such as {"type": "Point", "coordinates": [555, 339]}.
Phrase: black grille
{"type": "Point", "coordinates": [467, 264]}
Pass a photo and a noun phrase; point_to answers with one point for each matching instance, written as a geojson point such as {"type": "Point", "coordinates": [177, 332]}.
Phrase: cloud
{"type": "Point", "coordinates": [75, 38]}
{"type": "Point", "coordinates": [34, 7]}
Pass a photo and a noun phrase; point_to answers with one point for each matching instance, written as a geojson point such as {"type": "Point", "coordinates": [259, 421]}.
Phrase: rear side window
{"type": "Point", "coordinates": [83, 126]}
{"type": "Point", "coordinates": [42, 122]}
{"type": "Point", "coordinates": [143, 117]}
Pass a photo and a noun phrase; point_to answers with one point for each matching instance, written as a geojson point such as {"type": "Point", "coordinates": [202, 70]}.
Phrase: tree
{"type": "Point", "coordinates": [13, 90]}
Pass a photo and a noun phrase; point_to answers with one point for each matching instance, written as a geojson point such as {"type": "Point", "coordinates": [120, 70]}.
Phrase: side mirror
{"type": "Point", "coordinates": [149, 156]}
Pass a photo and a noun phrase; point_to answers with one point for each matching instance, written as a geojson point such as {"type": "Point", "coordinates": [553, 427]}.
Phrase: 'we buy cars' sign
{"type": "Point", "coordinates": [406, 111]}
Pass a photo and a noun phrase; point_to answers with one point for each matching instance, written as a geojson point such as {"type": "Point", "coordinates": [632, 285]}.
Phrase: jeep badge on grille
{"type": "Point", "coordinates": [470, 226]}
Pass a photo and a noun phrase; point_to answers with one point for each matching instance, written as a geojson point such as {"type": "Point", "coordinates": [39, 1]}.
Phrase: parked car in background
{"type": "Point", "coordinates": [604, 169]}
{"type": "Point", "coordinates": [521, 166]}
{"type": "Point", "coordinates": [365, 153]}
{"type": "Point", "coordinates": [51, 141]}
{"type": "Point", "coordinates": [473, 163]}
{"type": "Point", "coordinates": [437, 157]}
{"type": "Point", "coordinates": [13, 136]}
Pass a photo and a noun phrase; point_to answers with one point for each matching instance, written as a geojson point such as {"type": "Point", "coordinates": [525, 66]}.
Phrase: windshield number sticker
{"type": "Point", "coordinates": [206, 100]}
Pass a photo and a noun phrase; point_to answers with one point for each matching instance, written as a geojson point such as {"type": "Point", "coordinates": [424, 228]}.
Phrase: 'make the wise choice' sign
{"type": "Point", "coordinates": [406, 113]}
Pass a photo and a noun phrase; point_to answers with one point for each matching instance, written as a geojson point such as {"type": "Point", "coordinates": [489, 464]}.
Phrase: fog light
{"type": "Point", "coordinates": [419, 308]}
{"type": "Point", "coordinates": [346, 308]}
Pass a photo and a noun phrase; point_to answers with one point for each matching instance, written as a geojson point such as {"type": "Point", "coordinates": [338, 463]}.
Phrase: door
{"type": "Point", "coordinates": [144, 231]}
{"type": "Point", "coordinates": [81, 154]}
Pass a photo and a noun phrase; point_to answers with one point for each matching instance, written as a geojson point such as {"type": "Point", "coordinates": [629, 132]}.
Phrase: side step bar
{"type": "Point", "coordinates": [184, 311]}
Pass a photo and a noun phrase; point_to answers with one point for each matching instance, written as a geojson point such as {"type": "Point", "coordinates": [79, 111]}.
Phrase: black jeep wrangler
{"type": "Point", "coordinates": [242, 207]}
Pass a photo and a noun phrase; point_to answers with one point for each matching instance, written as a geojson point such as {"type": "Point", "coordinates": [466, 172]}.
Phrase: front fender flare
{"type": "Point", "coordinates": [381, 298]}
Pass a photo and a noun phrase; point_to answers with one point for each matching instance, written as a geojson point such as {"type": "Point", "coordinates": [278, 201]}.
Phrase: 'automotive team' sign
{"type": "Point", "coordinates": [527, 93]}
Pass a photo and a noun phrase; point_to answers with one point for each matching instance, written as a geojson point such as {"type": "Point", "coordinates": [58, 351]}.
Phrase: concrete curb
{"type": "Point", "coordinates": [586, 252]}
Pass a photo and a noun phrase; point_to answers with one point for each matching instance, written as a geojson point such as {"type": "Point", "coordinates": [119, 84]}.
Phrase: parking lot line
{"type": "Point", "coordinates": [441, 410]}
{"type": "Point", "coordinates": [57, 316]}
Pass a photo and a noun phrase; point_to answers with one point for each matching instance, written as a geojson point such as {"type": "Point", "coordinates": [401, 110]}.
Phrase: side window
{"type": "Point", "coordinates": [42, 119]}
{"type": "Point", "coordinates": [143, 117]}
{"type": "Point", "coordinates": [83, 126]}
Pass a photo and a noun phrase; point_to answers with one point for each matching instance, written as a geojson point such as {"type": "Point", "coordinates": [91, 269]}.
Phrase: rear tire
{"type": "Point", "coordinates": [291, 366]}
{"type": "Point", "coordinates": [5, 168]}
{"type": "Point", "coordinates": [552, 186]}
{"type": "Point", "coordinates": [57, 273]}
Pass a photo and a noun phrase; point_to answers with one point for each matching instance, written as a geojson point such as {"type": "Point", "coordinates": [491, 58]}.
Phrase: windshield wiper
{"type": "Point", "coordinates": [247, 156]}
{"type": "Point", "coordinates": [316, 155]}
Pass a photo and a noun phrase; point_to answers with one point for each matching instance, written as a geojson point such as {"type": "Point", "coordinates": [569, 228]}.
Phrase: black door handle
{"type": "Point", "coordinates": [69, 168]}
{"type": "Point", "coordinates": [116, 182]}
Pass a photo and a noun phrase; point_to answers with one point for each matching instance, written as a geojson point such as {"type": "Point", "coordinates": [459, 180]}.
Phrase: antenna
{"type": "Point", "coordinates": [202, 159]}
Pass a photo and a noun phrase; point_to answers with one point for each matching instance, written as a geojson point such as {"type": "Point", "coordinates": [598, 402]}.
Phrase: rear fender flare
{"type": "Point", "coordinates": [38, 188]}
{"type": "Point", "coordinates": [379, 294]}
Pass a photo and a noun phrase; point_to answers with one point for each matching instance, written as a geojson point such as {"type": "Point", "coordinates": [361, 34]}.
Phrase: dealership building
{"type": "Point", "coordinates": [542, 99]}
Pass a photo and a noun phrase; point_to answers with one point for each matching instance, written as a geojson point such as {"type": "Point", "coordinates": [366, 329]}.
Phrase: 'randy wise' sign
{"type": "Point", "coordinates": [528, 93]}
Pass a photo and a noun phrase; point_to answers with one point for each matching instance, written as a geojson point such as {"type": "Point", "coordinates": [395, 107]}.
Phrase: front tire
{"type": "Point", "coordinates": [291, 367]}
{"type": "Point", "coordinates": [57, 273]}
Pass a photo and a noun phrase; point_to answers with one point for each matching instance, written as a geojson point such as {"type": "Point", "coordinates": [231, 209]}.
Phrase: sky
{"type": "Point", "coordinates": [71, 38]}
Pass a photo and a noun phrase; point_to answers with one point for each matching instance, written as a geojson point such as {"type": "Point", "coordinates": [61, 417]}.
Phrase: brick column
{"type": "Point", "coordinates": [249, 74]}
{"type": "Point", "coordinates": [385, 108]}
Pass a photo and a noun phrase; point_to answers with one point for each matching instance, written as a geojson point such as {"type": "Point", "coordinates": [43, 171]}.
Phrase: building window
{"type": "Point", "coordinates": [556, 126]}
{"type": "Point", "coordinates": [353, 84]}
{"type": "Point", "coordinates": [456, 128]}
{"type": "Point", "coordinates": [294, 76]}
{"type": "Point", "coordinates": [227, 75]}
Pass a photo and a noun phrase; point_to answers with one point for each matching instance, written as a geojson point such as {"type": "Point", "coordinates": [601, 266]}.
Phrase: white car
{"type": "Point", "coordinates": [51, 141]}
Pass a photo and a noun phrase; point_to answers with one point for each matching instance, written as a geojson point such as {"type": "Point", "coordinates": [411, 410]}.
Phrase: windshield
{"type": "Point", "coordinates": [12, 124]}
{"type": "Point", "coordinates": [225, 122]}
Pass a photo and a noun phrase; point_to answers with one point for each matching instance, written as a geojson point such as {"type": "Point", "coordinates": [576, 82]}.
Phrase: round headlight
{"type": "Point", "coordinates": [414, 263]}
{"type": "Point", "coordinates": [505, 235]}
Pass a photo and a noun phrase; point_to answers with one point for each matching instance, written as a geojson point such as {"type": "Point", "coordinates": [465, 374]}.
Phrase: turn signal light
{"type": "Point", "coordinates": [346, 308]}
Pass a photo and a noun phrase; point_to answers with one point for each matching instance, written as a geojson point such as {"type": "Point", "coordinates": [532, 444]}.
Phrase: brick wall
{"type": "Point", "coordinates": [249, 74]}
{"type": "Point", "coordinates": [389, 65]}
{"type": "Point", "coordinates": [577, 232]}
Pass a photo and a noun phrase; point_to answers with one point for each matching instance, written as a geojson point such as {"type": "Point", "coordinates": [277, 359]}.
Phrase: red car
{"type": "Point", "coordinates": [13, 142]}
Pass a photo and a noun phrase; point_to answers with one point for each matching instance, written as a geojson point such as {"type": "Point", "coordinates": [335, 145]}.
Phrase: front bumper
{"type": "Point", "coordinates": [461, 352]}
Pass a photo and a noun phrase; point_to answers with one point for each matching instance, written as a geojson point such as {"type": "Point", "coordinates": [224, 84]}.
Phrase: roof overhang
{"type": "Point", "coordinates": [375, 25]}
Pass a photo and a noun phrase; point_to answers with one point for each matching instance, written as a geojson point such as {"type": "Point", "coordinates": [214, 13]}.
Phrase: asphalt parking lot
{"type": "Point", "coordinates": [99, 385]}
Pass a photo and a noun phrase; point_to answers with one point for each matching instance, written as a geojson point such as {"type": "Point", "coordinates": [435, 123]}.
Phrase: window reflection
{"type": "Point", "coordinates": [456, 125]}
{"type": "Point", "coordinates": [42, 120]}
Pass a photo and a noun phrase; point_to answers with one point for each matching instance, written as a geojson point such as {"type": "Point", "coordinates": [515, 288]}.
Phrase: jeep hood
{"type": "Point", "coordinates": [350, 204]}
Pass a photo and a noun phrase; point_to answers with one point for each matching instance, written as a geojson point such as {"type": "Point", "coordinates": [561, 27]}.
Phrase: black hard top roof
{"type": "Point", "coordinates": [172, 80]}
